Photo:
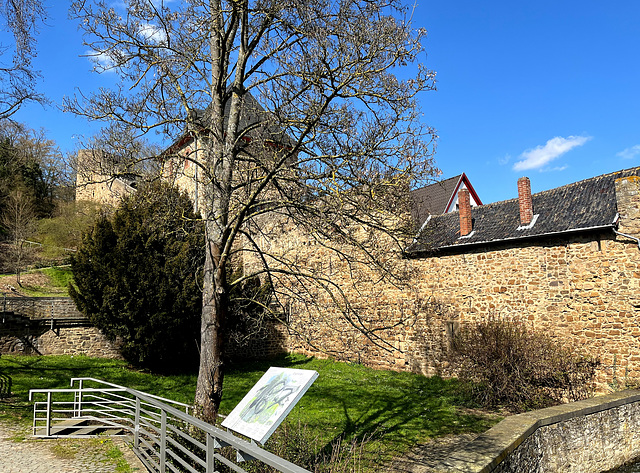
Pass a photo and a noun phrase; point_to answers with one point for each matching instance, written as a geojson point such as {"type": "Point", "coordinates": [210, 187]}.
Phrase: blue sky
{"type": "Point", "coordinates": [550, 90]}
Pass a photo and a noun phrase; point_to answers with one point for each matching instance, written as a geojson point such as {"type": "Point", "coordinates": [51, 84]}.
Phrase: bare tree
{"type": "Point", "coordinates": [19, 217]}
{"type": "Point", "coordinates": [331, 150]}
{"type": "Point", "coordinates": [17, 76]}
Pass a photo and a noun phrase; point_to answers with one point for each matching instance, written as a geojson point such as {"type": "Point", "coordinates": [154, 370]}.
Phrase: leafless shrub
{"type": "Point", "coordinates": [508, 363]}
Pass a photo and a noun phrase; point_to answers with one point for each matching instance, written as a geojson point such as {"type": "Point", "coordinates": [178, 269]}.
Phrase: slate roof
{"type": "Point", "coordinates": [432, 199]}
{"type": "Point", "coordinates": [587, 205]}
{"type": "Point", "coordinates": [251, 114]}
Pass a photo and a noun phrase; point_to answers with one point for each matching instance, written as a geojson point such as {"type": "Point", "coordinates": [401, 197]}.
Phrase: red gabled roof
{"type": "Point", "coordinates": [454, 195]}
{"type": "Point", "coordinates": [437, 198]}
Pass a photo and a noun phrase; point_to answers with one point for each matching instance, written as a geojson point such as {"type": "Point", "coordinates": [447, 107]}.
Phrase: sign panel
{"type": "Point", "coordinates": [267, 404]}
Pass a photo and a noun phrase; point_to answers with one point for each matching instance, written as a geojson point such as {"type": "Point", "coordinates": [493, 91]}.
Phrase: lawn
{"type": "Point", "coordinates": [399, 409]}
{"type": "Point", "coordinates": [43, 282]}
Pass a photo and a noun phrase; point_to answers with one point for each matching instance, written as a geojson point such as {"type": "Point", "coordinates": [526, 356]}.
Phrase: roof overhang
{"type": "Point", "coordinates": [451, 248]}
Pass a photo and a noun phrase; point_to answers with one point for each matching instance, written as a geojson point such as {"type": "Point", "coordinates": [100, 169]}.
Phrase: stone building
{"type": "Point", "coordinates": [99, 179]}
{"type": "Point", "coordinates": [566, 260]}
{"type": "Point", "coordinates": [184, 161]}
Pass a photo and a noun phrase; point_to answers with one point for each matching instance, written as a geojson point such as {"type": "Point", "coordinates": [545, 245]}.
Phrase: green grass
{"type": "Point", "coordinates": [55, 283]}
{"type": "Point", "coordinates": [60, 276]}
{"type": "Point", "coordinates": [399, 409]}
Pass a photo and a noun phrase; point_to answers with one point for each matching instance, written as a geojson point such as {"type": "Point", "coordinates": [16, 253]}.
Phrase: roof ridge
{"type": "Point", "coordinates": [438, 182]}
{"type": "Point", "coordinates": [621, 171]}
{"type": "Point", "coordinates": [582, 181]}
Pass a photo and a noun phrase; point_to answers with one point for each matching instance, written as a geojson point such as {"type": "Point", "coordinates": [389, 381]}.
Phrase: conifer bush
{"type": "Point", "coordinates": [136, 278]}
{"type": "Point", "coordinates": [508, 363]}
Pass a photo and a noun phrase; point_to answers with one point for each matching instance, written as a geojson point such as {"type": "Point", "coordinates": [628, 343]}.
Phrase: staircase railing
{"type": "Point", "coordinates": [163, 433]}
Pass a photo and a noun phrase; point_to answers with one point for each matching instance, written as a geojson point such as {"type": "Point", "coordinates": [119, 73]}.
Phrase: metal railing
{"type": "Point", "coordinates": [163, 433]}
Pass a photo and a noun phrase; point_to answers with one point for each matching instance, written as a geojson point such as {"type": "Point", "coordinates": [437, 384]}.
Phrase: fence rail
{"type": "Point", "coordinates": [163, 433]}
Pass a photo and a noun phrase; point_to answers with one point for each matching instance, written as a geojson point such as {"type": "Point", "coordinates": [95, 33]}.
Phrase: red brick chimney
{"type": "Point", "coordinates": [464, 208]}
{"type": "Point", "coordinates": [524, 199]}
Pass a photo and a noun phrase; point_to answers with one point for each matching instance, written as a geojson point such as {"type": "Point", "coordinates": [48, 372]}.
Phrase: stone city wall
{"type": "Point", "coordinates": [584, 290]}
{"type": "Point", "coordinates": [589, 436]}
{"type": "Point", "coordinates": [49, 326]}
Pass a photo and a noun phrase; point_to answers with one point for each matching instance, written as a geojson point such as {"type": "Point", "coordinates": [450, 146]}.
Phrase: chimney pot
{"type": "Point", "coordinates": [464, 208]}
{"type": "Point", "coordinates": [525, 201]}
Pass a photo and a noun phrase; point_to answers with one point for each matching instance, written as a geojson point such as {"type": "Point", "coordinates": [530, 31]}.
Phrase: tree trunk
{"type": "Point", "coordinates": [214, 308]}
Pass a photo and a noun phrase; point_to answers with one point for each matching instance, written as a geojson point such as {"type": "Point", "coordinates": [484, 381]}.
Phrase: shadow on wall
{"type": "Point", "coordinates": [19, 335]}
{"type": "Point", "coordinates": [270, 340]}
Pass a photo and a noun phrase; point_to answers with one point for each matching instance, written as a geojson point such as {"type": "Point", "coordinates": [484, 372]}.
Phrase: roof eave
{"type": "Point", "coordinates": [431, 252]}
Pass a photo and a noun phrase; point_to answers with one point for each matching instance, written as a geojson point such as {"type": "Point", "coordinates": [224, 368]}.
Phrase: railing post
{"type": "Point", "coordinates": [136, 426]}
{"type": "Point", "coordinates": [78, 412]}
{"type": "Point", "coordinates": [48, 423]}
{"type": "Point", "coordinates": [163, 440]}
{"type": "Point", "coordinates": [211, 462]}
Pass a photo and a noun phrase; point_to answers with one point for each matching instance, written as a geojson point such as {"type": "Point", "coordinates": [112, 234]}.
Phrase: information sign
{"type": "Point", "coordinates": [267, 404]}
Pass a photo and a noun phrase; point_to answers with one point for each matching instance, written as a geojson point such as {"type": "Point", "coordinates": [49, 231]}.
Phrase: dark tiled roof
{"type": "Point", "coordinates": [252, 115]}
{"type": "Point", "coordinates": [581, 206]}
{"type": "Point", "coordinates": [432, 199]}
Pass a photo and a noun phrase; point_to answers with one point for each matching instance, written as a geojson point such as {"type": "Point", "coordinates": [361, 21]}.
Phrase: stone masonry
{"type": "Point", "coordinates": [583, 288]}
{"type": "Point", "coordinates": [49, 326]}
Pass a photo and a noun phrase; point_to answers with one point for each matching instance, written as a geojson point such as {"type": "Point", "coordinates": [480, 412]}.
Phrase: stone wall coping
{"type": "Point", "coordinates": [46, 298]}
{"type": "Point", "coordinates": [488, 450]}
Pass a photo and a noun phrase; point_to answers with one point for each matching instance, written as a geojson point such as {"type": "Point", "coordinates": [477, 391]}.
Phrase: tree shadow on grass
{"type": "Point", "coordinates": [400, 420]}
{"type": "Point", "coordinates": [396, 410]}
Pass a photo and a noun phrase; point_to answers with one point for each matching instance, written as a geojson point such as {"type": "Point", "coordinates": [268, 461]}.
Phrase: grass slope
{"type": "Point", "coordinates": [399, 409]}
{"type": "Point", "coordinates": [43, 282]}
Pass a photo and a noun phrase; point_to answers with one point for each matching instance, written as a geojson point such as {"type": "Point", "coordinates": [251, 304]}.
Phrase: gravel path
{"type": "Point", "coordinates": [20, 453]}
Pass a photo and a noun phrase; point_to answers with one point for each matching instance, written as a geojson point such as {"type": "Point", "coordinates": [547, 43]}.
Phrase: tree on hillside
{"type": "Point", "coordinates": [31, 162]}
{"type": "Point", "coordinates": [332, 150]}
{"type": "Point", "coordinates": [19, 218]}
{"type": "Point", "coordinates": [64, 230]}
{"type": "Point", "coordinates": [17, 76]}
{"type": "Point", "coordinates": [136, 277]}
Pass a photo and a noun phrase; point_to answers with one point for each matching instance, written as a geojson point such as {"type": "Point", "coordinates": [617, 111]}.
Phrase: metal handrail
{"type": "Point", "coordinates": [106, 383]}
{"type": "Point", "coordinates": [165, 438]}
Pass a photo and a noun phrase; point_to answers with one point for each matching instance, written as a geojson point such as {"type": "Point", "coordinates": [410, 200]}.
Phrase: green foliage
{"type": "Point", "coordinates": [64, 230]}
{"type": "Point", "coordinates": [20, 171]}
{"type": "Point", "coordinates": [507, 363]}
{"type": "Point", "coordinates": [136, 278]}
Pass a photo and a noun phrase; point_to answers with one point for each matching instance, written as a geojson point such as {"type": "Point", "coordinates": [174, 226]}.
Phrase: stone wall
{"type": "Point", "coordinates": [96, 181]}
{"type": "Point", "coordinates": [585, 290]}
{"type": "Point", "coordinates": [588, 436]}
{"type": "Point", "coordinates": [269, 342]}
{"type": "Point", "coordinates": [41, 307]}
{"type": "Point", "coordinates": [582, 288]}
{"type": "Point", "coordinates": [49, 326]}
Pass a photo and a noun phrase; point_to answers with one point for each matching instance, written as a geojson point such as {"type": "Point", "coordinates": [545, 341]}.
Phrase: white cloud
{"type": "Point", "coordinates": [629, 153]}
{"type": "Point", "coordinates": [102, 61]}
{"type": "Point", "coordinates": [152, 33]}
{"type": "Point", "coordinates": [505, 160]}
{"type": "Point", "coordinates": [537, 157]}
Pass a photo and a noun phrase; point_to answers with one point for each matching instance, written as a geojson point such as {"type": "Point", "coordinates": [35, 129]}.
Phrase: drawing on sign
{"type": "Point", "coordinates": [269, 401]}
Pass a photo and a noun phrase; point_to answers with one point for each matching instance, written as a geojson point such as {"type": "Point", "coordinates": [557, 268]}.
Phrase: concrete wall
{"type": "Point", "coordinates": [588, 436]}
